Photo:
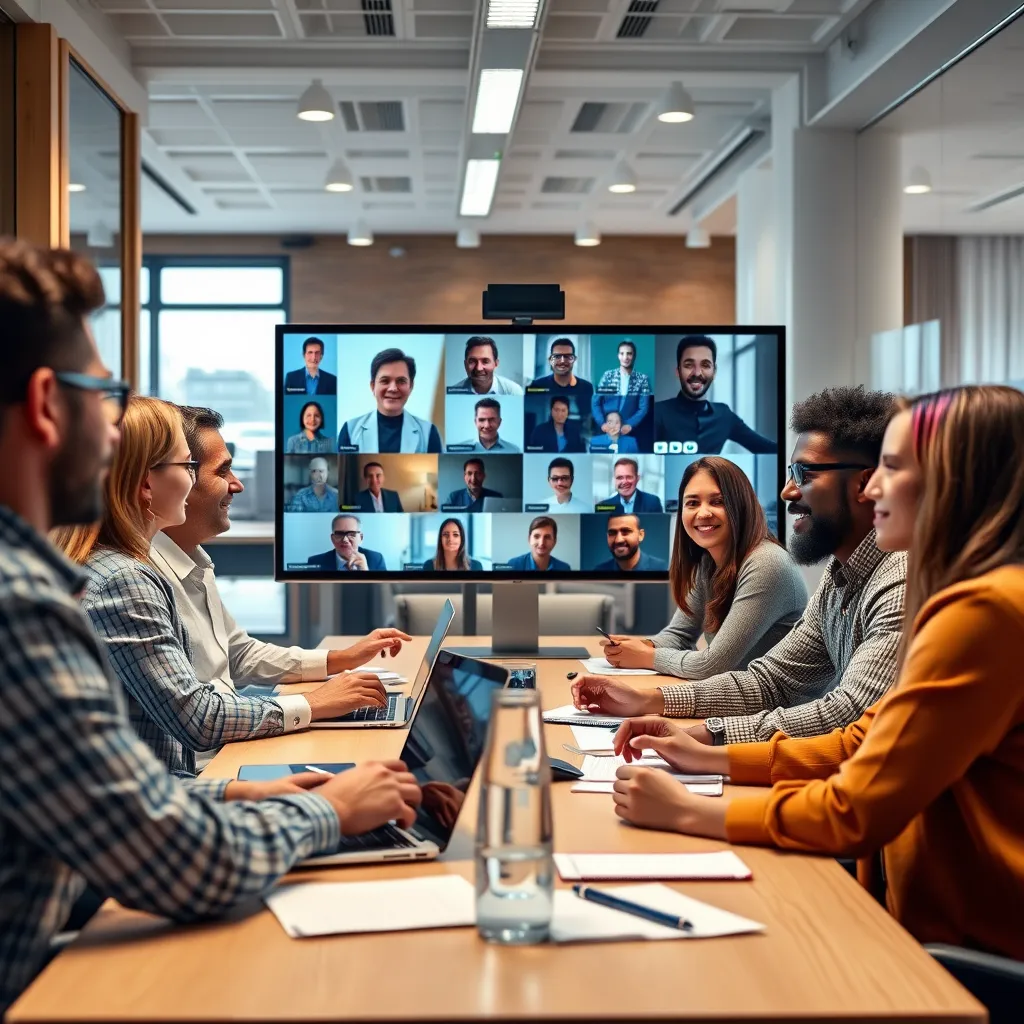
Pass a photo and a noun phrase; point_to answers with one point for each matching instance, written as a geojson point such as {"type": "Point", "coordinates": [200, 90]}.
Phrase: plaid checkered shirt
{"type": "Point", "coordinates": [83, 800]}
{"type": "Point", "coordinates": [835, 663]}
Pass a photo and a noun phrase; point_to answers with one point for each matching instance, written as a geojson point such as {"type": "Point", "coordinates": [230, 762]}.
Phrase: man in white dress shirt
{"type": "Point", "coordinates": [561, 477]}
{"type": "Point", "coordinates": [481, 362]}
{"type": "Point", "coordinates": [222, 652]}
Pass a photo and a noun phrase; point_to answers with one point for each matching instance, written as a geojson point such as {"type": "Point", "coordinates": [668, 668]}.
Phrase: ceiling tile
{"type": "Point", "coordinates": [228, 26]}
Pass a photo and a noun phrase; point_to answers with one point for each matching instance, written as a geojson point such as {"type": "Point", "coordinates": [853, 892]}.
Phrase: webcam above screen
{"type": "Point", "coordinates": [495, 452]}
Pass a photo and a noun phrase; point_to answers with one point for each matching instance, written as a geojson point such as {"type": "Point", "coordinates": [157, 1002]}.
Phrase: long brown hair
{"type": "Point", "coordinates": [748, 529]}
{"type": "Point", "coordinates": [460, 558]}
{"type": "Point", "coordinates": [149, 431]}
{"type": "Point", "coordinates": [968, 442]}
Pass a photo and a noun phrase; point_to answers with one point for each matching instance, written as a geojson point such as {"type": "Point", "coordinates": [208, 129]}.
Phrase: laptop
{"type": "Point", "coordinates": [399, 708]}
{"type": "Point", "coordinates": [443, 749]}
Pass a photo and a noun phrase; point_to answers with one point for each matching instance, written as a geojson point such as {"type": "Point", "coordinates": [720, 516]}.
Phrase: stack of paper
{"type": "Point", "coordinates": [599, 775]}
{"type": "Point", "coordinates": [603, 667]}
{"type": "Point", "coordinates": [594, 867]}
{"type": "Point", "coordinates": [593, 739]}
{"type": "Point", "coordinates": [386, 676]}
{"type": "Point", "coordinates": [568, 714]}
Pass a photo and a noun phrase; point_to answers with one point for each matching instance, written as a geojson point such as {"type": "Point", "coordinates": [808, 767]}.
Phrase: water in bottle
{"type": "Point", "coordinates": [514, 867]}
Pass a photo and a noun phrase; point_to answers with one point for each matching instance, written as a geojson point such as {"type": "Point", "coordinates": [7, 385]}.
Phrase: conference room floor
{"type": "Point", "coordinates": [829, 952]}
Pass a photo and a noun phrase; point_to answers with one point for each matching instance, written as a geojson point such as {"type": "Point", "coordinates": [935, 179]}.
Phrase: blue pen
{"type": "Point", "coordinates": [588, 892]}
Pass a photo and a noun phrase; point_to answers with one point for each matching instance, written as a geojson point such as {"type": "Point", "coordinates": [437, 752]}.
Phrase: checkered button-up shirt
{"type": "Point", "coordinates": [834, 664]}
{"type": "Point", "coordinates": [83, 800]}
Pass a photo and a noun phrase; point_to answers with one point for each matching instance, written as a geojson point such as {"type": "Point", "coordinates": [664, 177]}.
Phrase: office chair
{"type": "Point", "coordinates": [995, 981]}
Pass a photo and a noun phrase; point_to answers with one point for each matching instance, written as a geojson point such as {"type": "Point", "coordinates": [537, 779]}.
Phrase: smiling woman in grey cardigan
{"type": "Point", "coordinates": [732, 581]}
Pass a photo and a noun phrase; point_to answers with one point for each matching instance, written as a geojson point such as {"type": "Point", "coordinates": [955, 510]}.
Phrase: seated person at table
{"type": "Point", "coordinates": [132, 608]}
{"type": "Point", "coordinates": [562, 380]}
{"type": "Point", "coordinates": [623, 390]}
{"type": "Point", "coordinates": [348, 556]}
{"type": "Point", "coordinates": [561, 476]}
{"type": "Point", "coordinates": [318, 496]}
{"type": "Point", "coordinates": [311, 380]}
{"type": "Point", "coordinates": [471, 497]}
{"type": "Point", "coordinates": [84, 802]}
{"type": "Point", "coordinates": [627, 498]}
{"type": "Point", "coordinates": [932, 775]}
{"type": "Point", "coordinates": [732, 581]}
{"type": "Point", "coordinates": [311, 437]}
{"type": "Point", "coordinates": [222, 652]}
{"type": "Point", "coordinates": [542, 537]}
{"type": "Point", "coordinates": [481, 362]}
{"type": "Point", "coordinates": [613, 440]}
{"type": "Point", "coordinates": [691, 417]}
{"type": "Point", "coordinates": [625, 535]}
{"type": "Point", "coordinates": [451, 550]}
{"type": "Point", "coordinates": [558, 433]}
{"type": "Point", "coordinates": [374, 498]}
{"type": "Point", "coordinates": [389, 428]}
{"type": "Point", "coordinates": [841, 656]}
{"type": "Point", "coordinates": [487, 420]}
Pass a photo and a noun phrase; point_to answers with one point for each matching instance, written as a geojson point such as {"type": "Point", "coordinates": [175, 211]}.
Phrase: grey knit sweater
{"type": "Point", "coordinates": [769, 600]}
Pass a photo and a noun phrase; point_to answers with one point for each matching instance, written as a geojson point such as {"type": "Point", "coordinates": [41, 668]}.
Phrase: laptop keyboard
{"type": "Point", "coordinates": [371, 714]}
{"type": "Point", "coordinates": [387, 837]}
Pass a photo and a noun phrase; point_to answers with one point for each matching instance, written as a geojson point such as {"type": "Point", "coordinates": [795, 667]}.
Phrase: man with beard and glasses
{"type": "Point", "coordinates": [841, 656]}
{"type": "Point", "coordinates": [691, 417]}
{"type": "Point", "coordinates": [83, 799]}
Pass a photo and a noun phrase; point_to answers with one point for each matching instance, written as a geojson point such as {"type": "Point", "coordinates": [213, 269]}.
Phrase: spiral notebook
{"type": "Point", "coordinates": [576, 867]}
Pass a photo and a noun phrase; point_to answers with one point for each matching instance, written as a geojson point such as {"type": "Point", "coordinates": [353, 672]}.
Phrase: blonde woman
{"type": "Point", "coordinates": [132, 607]}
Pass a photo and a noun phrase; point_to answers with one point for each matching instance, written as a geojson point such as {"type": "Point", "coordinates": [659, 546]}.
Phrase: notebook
{"type": "Point", "coordinates": [587, 867]}
{"type": "Point", "coordinates": [568, 714]}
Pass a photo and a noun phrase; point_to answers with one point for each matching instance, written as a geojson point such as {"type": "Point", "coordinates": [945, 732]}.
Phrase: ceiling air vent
{"type": "Point", "coordinates": [383, 116]}
{"type": "Point", "coordinates": [378, 18]}
{"type": "Point", "coordinates": [637, 19]}
{"type": "Point", "coordinates": [567, 186]}
{"type": "Point", "coordinates": [382, 183]}
{"type": "Point", "coordinates": [616, 118]}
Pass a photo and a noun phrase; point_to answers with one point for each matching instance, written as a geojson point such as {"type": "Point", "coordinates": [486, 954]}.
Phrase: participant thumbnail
{"type": "Point", "coordinates": [535, 543]}
{"type": "Point", "coordinates": [480, 483]}
{"type": "Point", "coordinates": [310, 483]}
{"type": "Point", "coordinates": [391, 395]}
{"type": "Point", "coordinates": [388, 483]}
{"type": "Point", "coordinates": [557, 484]}
{"type": "Point", "coordinates": [449, 543]}
{"type": "Point", "coordinates": [309, 424]}
{"type": "Point", "coordinates": [632, 483]}
{"type": "Point", "coordinates": [716, 393]}
{"type": "Point", "coordinates": [346, 542]}
{"type": "Point", "coordinates": [619, 542]}
{"type": "Point", "coordinates": [482, 364]}
{"type": "Point", "coordinates": [622, 409]}
{"type": "Point", "coordinates": [488, 424]}
{"type": "Point", "coordinates": [555, 423]}
{"type": "Point", "coordinates": [562, 365]}
{"type": "Point", "coordinates": [308, 362]}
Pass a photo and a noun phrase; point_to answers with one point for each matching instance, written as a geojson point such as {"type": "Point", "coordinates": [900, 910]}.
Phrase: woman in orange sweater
{"type": "Point", "coordinates": [932, 776]}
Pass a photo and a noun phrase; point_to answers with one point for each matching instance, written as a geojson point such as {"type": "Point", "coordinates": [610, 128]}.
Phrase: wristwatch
{"type": "Point", "coordinates": [716, 726]}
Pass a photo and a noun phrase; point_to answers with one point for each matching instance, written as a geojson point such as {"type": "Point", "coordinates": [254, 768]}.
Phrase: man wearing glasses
{"type": "Point", "coordinates": [562, 380]}
{"type": "Point", "coordinates": [348, 556]}
{"type": "Point", "coordinates": [561, 476]}
{"type": "Point", "coordinates": [841, 657]}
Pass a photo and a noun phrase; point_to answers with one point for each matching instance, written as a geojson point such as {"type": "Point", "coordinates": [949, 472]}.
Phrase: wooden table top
{"type": "Point", "coordinates": [830, 952]}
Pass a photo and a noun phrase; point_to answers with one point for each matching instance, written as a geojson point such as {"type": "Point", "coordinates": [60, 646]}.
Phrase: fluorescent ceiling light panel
{"type": "Point", "coordinates": [496, 99]}
{"type": "Point", "coordinates": [478, 190]}
{"type": "Point", "coordinates": [512, 13]}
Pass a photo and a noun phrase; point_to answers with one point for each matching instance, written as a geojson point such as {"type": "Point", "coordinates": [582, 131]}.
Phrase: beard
{"type": "Point", "coordinates": [76, 477]}
{"type": "Point", "coordinates": [823, 538]}
{"type": "Point", "coordinates": [705, 383]}
{"type": "Point", "coordinates": [630, 552]}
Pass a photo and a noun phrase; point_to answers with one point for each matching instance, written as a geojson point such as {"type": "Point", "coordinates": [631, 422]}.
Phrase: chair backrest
{"type": "Point", "coordinates": [560, 614]}
{"type": "Point", "coordinates": [995, 981]}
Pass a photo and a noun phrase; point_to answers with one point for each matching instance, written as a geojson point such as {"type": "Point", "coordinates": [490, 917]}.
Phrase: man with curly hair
{"type": "Point", "coordinates": [841, 656]}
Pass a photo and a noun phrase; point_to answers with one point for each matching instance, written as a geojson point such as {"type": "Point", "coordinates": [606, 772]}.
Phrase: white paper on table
{"type": "Point", "coordinates": [385, 675]}
{"type": "Point", "coordinates": [345, 908]}
{"type": "Point", "coordinates": [593, 739]}
{"type": "Point", "coordinates": [606, 786]}
{"type": "Point", "coordinates": [575, 867]}
{"type": "Point", "coordinates": [578, 920]}
{"type": "Point", "coordinates": [569, 714]}
{"type": "Point", "coordinates": [603, 667]}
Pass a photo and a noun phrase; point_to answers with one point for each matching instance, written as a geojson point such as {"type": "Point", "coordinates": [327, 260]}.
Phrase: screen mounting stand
{"type": "Point", "coordinates": [515, 624]}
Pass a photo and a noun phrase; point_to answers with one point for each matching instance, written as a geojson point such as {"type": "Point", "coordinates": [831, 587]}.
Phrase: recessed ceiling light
{"type": "Point", "coordinates": [512, 13]}
{"type": "Point", "coordinates": [623, 179]}
{"type": "Point", "coordinates": [588, 235]}
{"type": "Point", "coordinates": [478, 189]}
{"type": "Point", "coordinates": [677, 105]}
{"type": "Point", "coordinates": [76, 187]}
{"type": "Point", "coordinates": [698, 238]}
{"type": "Point", "coordinates": [360, 234]}
{"type": "Point", "coordinates": [918, 183]}
{"type": "Point", "coordinates": [467, 238]}
{"type": "Point", "coordinates": [316, 103]}
{"type": "Point", "coordinates": [496, 98]}
{"type": "Point", "coordinates": [339, 177]}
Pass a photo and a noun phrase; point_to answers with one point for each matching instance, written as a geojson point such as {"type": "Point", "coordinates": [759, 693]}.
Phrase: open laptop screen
{"type": "Point", "coordinates": [444, 621]}
{"type": "Point", "coordinates": [446, 739]}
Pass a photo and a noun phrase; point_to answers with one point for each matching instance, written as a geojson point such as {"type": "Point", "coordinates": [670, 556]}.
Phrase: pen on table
{"type": "Point", "coordinates": [319, 771]}
{"type": "Point", "coordinates": [588, 892]}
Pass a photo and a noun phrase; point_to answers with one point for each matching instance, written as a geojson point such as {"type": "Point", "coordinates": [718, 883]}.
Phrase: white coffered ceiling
{"type": "Point", "coordinates": [224, 78]}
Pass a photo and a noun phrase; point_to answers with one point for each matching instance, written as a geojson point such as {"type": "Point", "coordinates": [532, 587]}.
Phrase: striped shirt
{"type": "Point", "coordinates": [131, 606]}
{"type": "Point", "coordinates": [835, 663]}
{"type": "Point", "coordinates": [82, 800]}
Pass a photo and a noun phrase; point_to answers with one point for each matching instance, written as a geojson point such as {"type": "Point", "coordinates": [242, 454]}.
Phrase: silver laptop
{"type": "Point", "coordinates": [443, 748]}
{"type": "Point", "coordinates": [399, 709]}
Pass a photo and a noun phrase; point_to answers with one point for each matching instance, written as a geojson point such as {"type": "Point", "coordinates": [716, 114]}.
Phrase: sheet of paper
{"type": "Point", "coordinates": [578, 920]}
{"type": "Point", "coordinates": [383, 674]}
{"type": "Point", "coordinates": [344, 908]}
{"type": "Point", "coordinates": [575, 867]}
{"type": "Point", "coordinates": [696, 788]}
{"type": "Point", "coordinates": [568, 714]}
{"type": "Point", "coordinates": [603, 667]}
{"type": "Point", "coordinates": [593, 739]}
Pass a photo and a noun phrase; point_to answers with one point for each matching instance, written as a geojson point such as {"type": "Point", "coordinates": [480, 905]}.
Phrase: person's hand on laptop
{"type": "Point", "coordinates": [671, 741]}
{"type": "Point", "coordinates": [345, 693]}
{"type": "Point", "coordinates": [380, 641]}
{"type": "Point", "coordinates": [370, 795]}
{"type": "Point", "coordinates": [288, 786]}
{"type": "Point", "coordinates": [629, 652]}
{"type": "Point", "coordinates": [614, 697]}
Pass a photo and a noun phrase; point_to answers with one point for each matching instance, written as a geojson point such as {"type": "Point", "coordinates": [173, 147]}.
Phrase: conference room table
{"type": "Point", "coordinates": [829, 951]}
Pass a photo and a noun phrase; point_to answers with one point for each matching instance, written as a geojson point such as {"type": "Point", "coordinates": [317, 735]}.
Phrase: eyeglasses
{"type": "Point", "coordinates": [798, 470]}
{"type": "Point", "coordinates": [560, 479]}
{"type": "Point", "coordinates": [566, 357]}
{"type": "Point", "coordinates": [346, 534]}
{"type": "Point", "coordinates": [114, 393]}
{"type": "Point", "coordinates": [191, 465]}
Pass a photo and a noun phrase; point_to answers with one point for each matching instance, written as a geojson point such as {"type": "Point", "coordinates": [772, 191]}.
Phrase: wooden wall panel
{"type": "Point", "coordinates": [654, 280]}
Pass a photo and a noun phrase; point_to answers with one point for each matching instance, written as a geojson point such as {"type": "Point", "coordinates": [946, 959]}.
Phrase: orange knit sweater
{"type": "Point", "coordinates": [932, 775]}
